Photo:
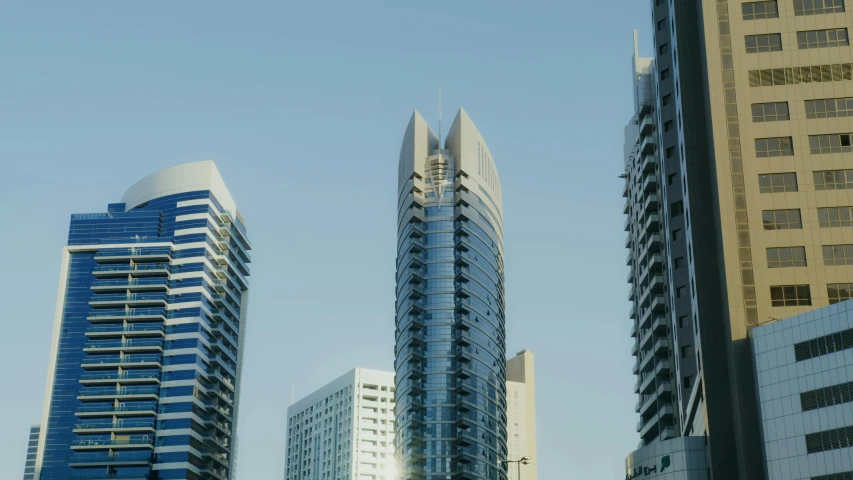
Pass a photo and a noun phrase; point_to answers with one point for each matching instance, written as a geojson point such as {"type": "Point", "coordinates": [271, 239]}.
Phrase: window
{"type": "Point", "coordinates": [774, 147]}
{"type": "Point", "coordinates": [664, 74]}
{"type": "Point", "coordinates": [667, 99]}
{"type": "Point", "coordinates": [682, 320]}
{"type": "Point", "coordinates": [685, 350]}
{"type": "Point", "coordinates": [837, 255]}
{"type": "Point", "coordinates": [770, 112]}
{"type": "Point", "coordinates": [827, 397]}
{"type": "Point", "coordinates": [791, 76]}
{"type": "Point", "coordinates": [777, 182]}
{"type": "Point", "coordinates": [838, 292]}
{"type": "Point", "coordinates": [758, 10]}
{"type": "Point", "coordinates": [780, 257]}
{"type": "Point", "coordinates": [670, 151]}
{"type": "Point", "coordinates": [829, 440]}
{"type": "Point", "coordinates": [824, 345]}
{"type": "Point", "coordinates": [833, 37]}
{"type": "Point", "coordinates": [681, 292]}
{"type": "Point", "coordinates": [817, 7]}
{"type": "Point", "coordinates": [661, 24]}
{"type": "Point", "coordinates": [676, 209]}
{"type": "Point", "coordinates": [670, 179]}
{"type": "Point", "coordinates": [688, 381]}
{"type": "Point", "coordinates": [663, 49]}
{"type": "Point", "coordinates": [678, 263]}
{"type": "Point", "coordinates": [675, 234]}
{"type": "Point", "coordinates": [790, 295]}
{"type": "Point", "coordinates": [834, 217]}
{"type": "Point", "coordinates": [781, 219]}
{"type": "Point", "coordinates": [768, 42]}
{"type": "Point", "coordinates": [667, 126]}
{"type": "Point", "coordinates": [833, 143]}
{"type": "Point", "coordinates": [833, 179]}
{"type": "Point", "coordinates": [829, 108]}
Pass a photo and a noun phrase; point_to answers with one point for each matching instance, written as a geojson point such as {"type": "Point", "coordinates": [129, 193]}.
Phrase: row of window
{"type": "Point", "coordinates": [827, 397]}
{"type": "Point", "coordinates": [769, 77]}
{"type": "Point", "coordinates": [818, 108]}
{"type": "Point", "coordinates": [800, 295]}
{"type": "Point", "coordinates": [791, 219]}
{"type": "Point", "coordinates": [829, 440]}
{"type": "Point", "coordinates": [823, 180]}
{"type": "Point", "coordinates": [818, 145]}
{"type": "Point", "coordinates": [836, 476]}
{"type": "Point", "coordinates": [824, 345]}
{"type": "Point", "coordinates": [770, 9]}
{"type": "Point", "coordinates": [772, 42]}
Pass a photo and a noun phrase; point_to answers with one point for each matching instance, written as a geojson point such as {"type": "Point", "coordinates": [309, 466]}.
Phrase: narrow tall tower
{"type": "Point", "coordinates": [450, 336]}
{"type": "Point", "coordinates": [144, 374]}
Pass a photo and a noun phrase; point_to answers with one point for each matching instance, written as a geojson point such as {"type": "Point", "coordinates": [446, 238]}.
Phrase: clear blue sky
{"type": "Point", "coordinates": [303, 106]}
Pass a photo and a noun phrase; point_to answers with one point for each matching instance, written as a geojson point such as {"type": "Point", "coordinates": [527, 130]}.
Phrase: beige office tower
{"type": "Point", "coordinates": [753, 105]}
{"type": "Point", "coordinates": [521, 415]}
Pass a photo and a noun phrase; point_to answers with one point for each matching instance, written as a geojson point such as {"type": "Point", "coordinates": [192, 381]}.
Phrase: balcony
{"type": "Point", "coordinates": [124, 255]}
{"type": "Point", "coordinates": [661, 347]}
{"type": "Point", "coordinates": [135, 285]}
{"type": "Point", "coordinates": [131, 315]}
{"type": "Point", "coordinates": [126, 378]}
{"type": "Point", "coordinates": [635, 349]}
{"type": "Point", "coordinates": [97, 363]}
{"type": "Point", "coordinates": [656, 282]}
{"type": "Point", "coordinates": [645, 342]}
{"type": "Point", "coordinates": [128, 346]}
{"type": "Point", "coordinates": [653, 242]}
{"type": "Point", "coordinates": [667, 433]}
{"type": "Point", "coordinates": [99, 394]}
{"type": "Point", "coordinates": [646, 363]}
{"type": "Point", "coordinates": [650, 162]}
{"type": "Point", "coordinates": [140, 270]}
{"type": "Point", "coordinates": [127, 458]}
{"type": "Point", "coordinates": [121, 426]}
{"type": "Point", "coordinates": [646, 404]}
{"type": "Point", "coordinates": [627, 225]}
{"type": "Point", "coordinates": [664, 389]}
{"type": "Point", "coordinates": [647, 125]}
{"type": "Point", "coordinates": [650, 204]}
{"type": "Point", "coordinates": [662, 368]}
{"type": "Point", "coordinates": [626, 208]}
{"type": "Point", "coordinates": [142, 442]}
{"type": "Point", "coordinates": [650, 184]}
{"type": "Point", "coordinates": [647, 385]}
{"type": "Point", "coordinates": [647, 145]}
{"type": "Point", "coordinates": [652, 222]}
{"type": "Point", "coordinates": [660, 324]}
{"type": "Point", "coordinates": [119, 411]}
{"type": "Point", "coordinates": [132, 330]}
{"type": "Point", "coordinates": [626, 189]}
{"type": "Point", "coordinates": [632, 314]}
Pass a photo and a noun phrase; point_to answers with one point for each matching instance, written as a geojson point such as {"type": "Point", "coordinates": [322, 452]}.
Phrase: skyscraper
{"type": "Point", "coordinates": [754, 173]}
{"type": "Point", "coordinates": [32, 448]}
{"type": "Point", "coordinates": [521, 414]}
{"type": "Point", "coordinates": [344, 430]}
{"type": "Point", "coordinates": [450, 337]}
{"type": "Point", "coordinates": [144, 374]}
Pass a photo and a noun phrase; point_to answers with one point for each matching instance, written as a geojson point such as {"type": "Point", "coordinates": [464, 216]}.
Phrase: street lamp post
{"type": "Point", "coordinates": [521, 461]}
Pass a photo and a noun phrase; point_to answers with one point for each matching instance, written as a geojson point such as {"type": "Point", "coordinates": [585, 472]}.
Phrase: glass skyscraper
{"type": "Point", "coordinates": [450, 337]}
{"type": "Point", "coordinates": [144, 376]}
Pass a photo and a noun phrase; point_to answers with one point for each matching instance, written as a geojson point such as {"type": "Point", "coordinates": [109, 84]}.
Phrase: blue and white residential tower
{"type": "Point", "coordinates": [144, 375]}
{"type": "Point", "coordinates": [450, 356]}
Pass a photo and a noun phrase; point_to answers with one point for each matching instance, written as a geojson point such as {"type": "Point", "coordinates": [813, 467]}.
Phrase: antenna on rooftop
{"type": "Point", "coordinates": [439, 119]}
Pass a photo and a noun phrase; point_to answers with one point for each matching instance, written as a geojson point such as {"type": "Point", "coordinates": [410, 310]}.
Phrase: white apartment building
{"type": "Point", "coordinates": [521, 416]}
{"type": "Point", "coordinates": [344, 430]}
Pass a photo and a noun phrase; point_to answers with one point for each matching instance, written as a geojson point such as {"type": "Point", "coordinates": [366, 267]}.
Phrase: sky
{"type": "Point", "coordinates": [303, 106]}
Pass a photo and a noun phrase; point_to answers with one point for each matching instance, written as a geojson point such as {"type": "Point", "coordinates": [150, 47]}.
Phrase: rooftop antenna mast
{"type": "Point", "coordinates": [439, 119]}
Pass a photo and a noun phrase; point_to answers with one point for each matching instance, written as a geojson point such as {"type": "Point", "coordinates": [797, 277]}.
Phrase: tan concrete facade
{"type": "Point", "coordinates": [735, 234]}
{"type": "Point", "coordinates": [521, 415]}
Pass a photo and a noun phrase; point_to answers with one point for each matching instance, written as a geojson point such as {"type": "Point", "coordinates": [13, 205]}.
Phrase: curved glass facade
{"type": "Point", "coordinates": [450, 337]}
